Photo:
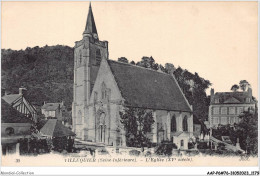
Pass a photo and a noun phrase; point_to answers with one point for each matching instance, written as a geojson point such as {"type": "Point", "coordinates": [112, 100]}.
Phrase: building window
{"type": "Point", "coordinates": [231, 120]}
{"type": "Point", "coordinates": [224, 110]}
{"type": "Point", "coordinates": [80, 57]}
{"type": "Point", "coordinates": [182, 143]}
{"type": "Point", "coordinates": [185, 123]}
{"type": "Point", "coordinates": [108, 94]}
{"type": "Point", "coordinates": [102, 118]}
{"type": "Point", "coordinates": [216, 100]}
{"type": "Point", "coordinates": [248, 100]}
{"type": "Point", "coordinates": [95, 97]}
{"type": "Point", "coordinates": [98, 54]}
{"type": "Point", "coordinates": [240, 110]}
{"type": "Point", "coordinates": [223, 120]}
{"type": "Point", "coordinates": [215, 110]}
{"type": "Point", "coordinates": [173, 124]}
{"type": "Point", "coordinates": [104, 92]}
{"type": "Point", "coordinates": [51, 113]}
{"type": "Point", "coordinates": [215, 120]}
{"type": "Point", "coordinates": [246, 108]}
{"type": "Point", "coordinates": [232, 110]}
{"type": "Point", "coordinates": [236, 119]}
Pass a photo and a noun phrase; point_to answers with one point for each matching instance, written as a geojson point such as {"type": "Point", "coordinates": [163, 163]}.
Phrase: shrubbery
{"type": "Point", "coordinates": [165, 148]}
{"type": "Point", "coordinates": [203, 145]}
{"type": "Point", "coordinates": [134, 152]}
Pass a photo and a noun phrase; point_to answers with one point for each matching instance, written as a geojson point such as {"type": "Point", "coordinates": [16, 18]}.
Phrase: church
{"type": "Point", "coordinates": [103, 87]}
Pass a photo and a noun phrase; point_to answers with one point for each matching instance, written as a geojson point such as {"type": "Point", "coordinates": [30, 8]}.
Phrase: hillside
{"type": "Point", "coordinates": [46, 72]}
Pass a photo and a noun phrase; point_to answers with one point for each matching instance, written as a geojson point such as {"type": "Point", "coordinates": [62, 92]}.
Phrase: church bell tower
{"type": "Point", "coordinates": [88, 54]}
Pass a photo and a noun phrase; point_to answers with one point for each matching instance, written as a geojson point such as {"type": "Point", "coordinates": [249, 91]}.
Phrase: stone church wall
{"type": "Point", "coordinates": [110, 106]}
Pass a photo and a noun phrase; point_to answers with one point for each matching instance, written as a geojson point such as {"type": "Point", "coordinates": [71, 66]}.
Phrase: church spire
{"type": "Point", "coordinates": [90, 28]}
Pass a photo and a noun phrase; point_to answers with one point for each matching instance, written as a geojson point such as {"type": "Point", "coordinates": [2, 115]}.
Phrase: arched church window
{"type": "Point", "coordinates": [98, 54]}
{"type": "Point", "coordinates": [95, 97]}
{"type": "Point", "coordinates": [185, 123]}
{"type": "Point", "coordinates": [76, 58]}
{"type": "Point", "coordinates": [79, 117]}
{"type": "Point", "coordinates": [173, 124]}
{"type": "Point", "coordinates": [182, 143]}
{"type": "Point", "coordinates": [101, 125]}
{"type": "Point", "coordinates": [103, 89]}
{"type": "Point", "coordinates": [102, 118]}
{"type": "Point", "coordinates": [80, 57]}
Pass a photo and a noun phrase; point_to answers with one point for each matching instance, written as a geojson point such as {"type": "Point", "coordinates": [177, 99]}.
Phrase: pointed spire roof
{"type": "Point", "coordinates": [90, 25]}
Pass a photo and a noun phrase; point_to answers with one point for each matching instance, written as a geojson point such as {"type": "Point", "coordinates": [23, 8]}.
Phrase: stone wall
{"type": "Point", "coordinates": [162, 126]}
{"type": "Point", "coordinates": [109, 106]}
{"type": "Point", "coordinates": [86, 66]}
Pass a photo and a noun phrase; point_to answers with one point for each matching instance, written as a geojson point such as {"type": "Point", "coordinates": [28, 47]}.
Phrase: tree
{"type": "Point", "coordinates": [132, 62]}
{"type": "Point", "coordinates": [47, 73]}
{"type": "Point", "coordinates": [247, 132]}
{"type": "Point", "coordinates": [137, 123]}
{"type": "Point", "coordinates": [234, 88]}
{"type": "Point", "coordinates": [243, 84]}
{"type": "Point", "coordinates": [169, 68]}
{"type": "Point", "coordinates": [148, 62]}
{"type": "Point", "coordinates": [123, 59]}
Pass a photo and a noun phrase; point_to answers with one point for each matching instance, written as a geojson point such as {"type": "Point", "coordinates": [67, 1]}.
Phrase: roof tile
{"type": "Point", "coordinates": [145, 88]}
{"type": "Point", "coordinates": [232, 97]}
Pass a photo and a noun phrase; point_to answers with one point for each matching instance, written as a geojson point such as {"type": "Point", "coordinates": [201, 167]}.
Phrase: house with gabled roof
{"type": "Point", "coordinates": [54, 128]}
{"type": "Point", "coordinates": [103, 88]}
{"type": "Point", "coordinates": [225, 107]}
{"type": "Point", "coordinates": [53, 110]}
{"type": "Point", "coordinates": [21, 104]}
{"type": "Point", "coordinates": [15, 126]}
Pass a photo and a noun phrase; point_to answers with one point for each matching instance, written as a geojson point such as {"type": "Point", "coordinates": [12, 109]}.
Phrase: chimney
{"type": "Point", "coordinates": [62, 103]}
{"type": "Point", "coordinates": [21, 90]}
{"type": "Point", "coordinates": [211, 95]}
{"type": "Point", "coordinates": [249, 90]}
{"type": "Point", "coordinates": [44, 102]}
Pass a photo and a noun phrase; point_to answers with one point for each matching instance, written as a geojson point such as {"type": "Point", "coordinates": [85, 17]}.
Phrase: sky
{"type": "Point", "coordinates": [218, 40]}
